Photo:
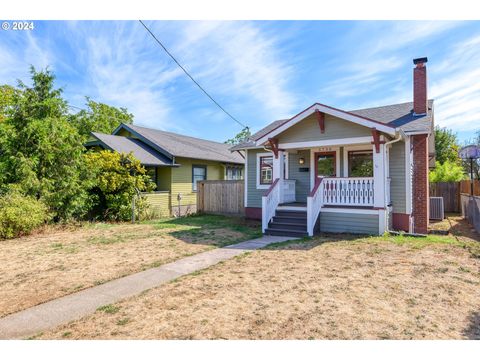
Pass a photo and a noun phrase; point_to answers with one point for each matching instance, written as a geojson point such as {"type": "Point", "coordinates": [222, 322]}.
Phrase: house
{"type": "Point", "coordinates": [175, 163]}
{"type": "Point", "coordinates": [360, 171]}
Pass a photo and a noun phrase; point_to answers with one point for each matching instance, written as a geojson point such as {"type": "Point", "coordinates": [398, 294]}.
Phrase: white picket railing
{"type": "Point", "coordinates": [270, 202]}
{"type": "Point", "coordinates": [352, 191]}
{"type": "Point", "coordinates": [314, 204]}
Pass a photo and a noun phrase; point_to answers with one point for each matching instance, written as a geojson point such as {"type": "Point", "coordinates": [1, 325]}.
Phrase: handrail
{"type": "Point", "coordinates": [270, 189]}
{"type": "Point", "coordinates": [318, 181]}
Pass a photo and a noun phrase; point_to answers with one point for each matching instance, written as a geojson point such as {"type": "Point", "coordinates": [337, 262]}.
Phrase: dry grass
{"type": "Point", "coordinates": [57, 262]}
{"type": "Point", "coordinates": [326, 288]}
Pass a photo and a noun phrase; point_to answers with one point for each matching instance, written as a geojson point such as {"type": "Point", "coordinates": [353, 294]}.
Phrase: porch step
{"type": "Point", "coordinates": [289, 223]}
{"type": "Point", "coordinates": [283, 232]}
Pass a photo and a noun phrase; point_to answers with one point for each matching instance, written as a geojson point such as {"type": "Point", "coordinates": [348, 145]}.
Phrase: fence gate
{"type": "Point", "coordinates": [221, 197]}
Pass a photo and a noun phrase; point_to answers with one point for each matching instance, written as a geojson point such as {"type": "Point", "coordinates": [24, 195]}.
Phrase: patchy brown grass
{"type": "Point", "coordinates": [325, 288]}
{"type": "Point", "coordinates": [61, 261]}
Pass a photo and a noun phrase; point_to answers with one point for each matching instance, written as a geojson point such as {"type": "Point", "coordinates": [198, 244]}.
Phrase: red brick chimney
{"type": "Point", "coordinates": [420, 86]}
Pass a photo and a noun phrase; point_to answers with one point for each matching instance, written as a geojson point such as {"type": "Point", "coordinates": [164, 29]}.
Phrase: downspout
{"type": "Point", "coordinates": [397, 139]}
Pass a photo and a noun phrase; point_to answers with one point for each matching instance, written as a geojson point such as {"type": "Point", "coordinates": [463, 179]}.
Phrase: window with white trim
{"type": "Point", "coordinates": [266, 170]}
{"type": "Point", "coordinates": [360, 163]}
{"type": "Point", "coordinates": [199, 173]}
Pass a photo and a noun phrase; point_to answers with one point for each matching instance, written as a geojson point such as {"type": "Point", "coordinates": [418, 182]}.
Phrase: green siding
{"type": "Point", "coordinates": [302, 184]}
{"type": "Point", "coordinates": [335, 128]}
{"type": "Point", "coordinates": [348, 223]}
{"type": "Point", "coordinates": [397, 177]}
{"type": "Point", "coordinates": [254, 195]}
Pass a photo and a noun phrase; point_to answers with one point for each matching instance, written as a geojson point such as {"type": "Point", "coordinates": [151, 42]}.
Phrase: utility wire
{"type": "Point", "coordinates": [190, 76]}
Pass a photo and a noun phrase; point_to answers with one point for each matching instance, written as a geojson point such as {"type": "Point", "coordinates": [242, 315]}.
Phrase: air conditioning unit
{"type": "Point", "coordinates": [436, 208]}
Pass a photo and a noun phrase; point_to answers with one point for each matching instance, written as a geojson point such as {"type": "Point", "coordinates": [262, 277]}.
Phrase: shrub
{"type": "Point", "coordinates": [20, 215]}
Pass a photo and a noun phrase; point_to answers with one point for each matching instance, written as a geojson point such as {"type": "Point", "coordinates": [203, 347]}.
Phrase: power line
{"type": "Point", "coordinates": [190, 76]}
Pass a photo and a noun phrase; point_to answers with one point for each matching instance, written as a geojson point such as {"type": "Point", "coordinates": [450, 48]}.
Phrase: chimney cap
{"type": "Point", "coordinates": [420, 60]}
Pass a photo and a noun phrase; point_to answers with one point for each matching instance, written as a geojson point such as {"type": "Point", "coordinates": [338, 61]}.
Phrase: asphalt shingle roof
{"type": "Point", "coordinates": [396, 115]}
{"type": "Point", "coordinates": [142, 152]}
{"type": "Point", "coordinates": [187, 146]}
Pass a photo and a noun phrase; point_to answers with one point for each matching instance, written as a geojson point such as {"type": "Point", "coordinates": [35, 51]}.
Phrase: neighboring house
{"type": "Point", "coordinates": [175, 163]}
{"type": "Point", "coordinates": [360, 171]}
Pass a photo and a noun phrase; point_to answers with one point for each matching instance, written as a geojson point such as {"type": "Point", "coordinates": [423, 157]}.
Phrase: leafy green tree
{"type": "Point", "coordinates": [446, 172]}
{"type": "Point", "coordinates": [99, 118]}
{"type": "Point", "coordinates": [446, 146]}
{"type": "Point", "coordinates": [41, 153]}
{"type": "Point", "coordinates": [118, 177]}
{"type": "Point", "coordinates": [7, 95]}
{"type": "Point", "coordinates": [240, 137]}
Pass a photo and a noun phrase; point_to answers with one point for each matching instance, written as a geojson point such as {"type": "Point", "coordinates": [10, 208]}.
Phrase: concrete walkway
{"type": "Point", "coordinates": [75, 306]}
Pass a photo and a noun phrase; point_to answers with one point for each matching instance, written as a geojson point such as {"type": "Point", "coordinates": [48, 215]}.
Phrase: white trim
{"type": "Point", "coordinates": [417, 133]}
{"type": "Point", "coordinates": [327, 110]}
{"type": "Point", "coordinates": [346, 149]}
{"type": "Point", "coordinates": [379, 176]}
{"type": "Point", "coordinates": [352, 211]}
{"type": "Point", "coordinates": [408, 177]}
{"type": "Point", "coordinates": [382, 221]}
{"type": "Point", "coordinates": [257, 172]}
{"type": "Point", "coordinates": [327, 142]}
{"type": "Point", "coordinates": [287, 159]}
{"type": "Point", "coordinates": [245, 176]}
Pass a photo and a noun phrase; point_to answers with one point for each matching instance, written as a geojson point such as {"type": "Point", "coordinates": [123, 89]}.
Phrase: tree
{"type": "Point", "coordinates": [7, 95]}
{"type": "Point", "coordinates": [446, 172]}
{"type": "Point", "coordinates": [99, 118]}
{"type": "Point", "coordinates": [118, 177]}
{"type": "Point", "coordinates": [446, 146]}
{"type": "Point", "coordinates": [240, 137]}
{"type": "Point", "coordinates": [41, 153]}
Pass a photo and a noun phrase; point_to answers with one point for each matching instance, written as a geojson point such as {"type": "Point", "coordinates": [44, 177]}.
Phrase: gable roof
{"type": "Point", "coordinates": [121, 144]}
{"type": "Point", "coordinates": [176, 145]}
{"type": "Point", "coordinates": [395, 116]}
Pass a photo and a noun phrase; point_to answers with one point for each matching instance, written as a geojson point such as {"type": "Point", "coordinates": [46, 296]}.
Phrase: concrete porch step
{"type": "Point", "coordinates": [285, 232]}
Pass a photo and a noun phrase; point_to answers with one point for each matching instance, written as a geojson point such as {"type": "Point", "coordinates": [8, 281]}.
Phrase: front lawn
{"type": "Point", "coordinates": [55, 263]}
{"type": "Point", "coordinates": [329, 287]}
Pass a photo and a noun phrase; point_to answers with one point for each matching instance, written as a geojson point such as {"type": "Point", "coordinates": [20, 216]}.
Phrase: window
{"type": "Point", "coordinates": [234, 173]}
{"type": "Point", "coordinates": [266, 170]}
{"type": "Point", "coordinates": [199, 173]}
{"type": "Point", "coordinates": [360, 163]}
{"type": "Point", "coordinates": [152, 173]}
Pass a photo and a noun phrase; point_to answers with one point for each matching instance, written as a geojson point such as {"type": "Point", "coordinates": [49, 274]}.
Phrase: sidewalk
{"type": "Point", "coordinates": [31, 321]}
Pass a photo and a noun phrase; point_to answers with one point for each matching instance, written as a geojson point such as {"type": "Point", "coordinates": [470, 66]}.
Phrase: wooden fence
{"type": "Point", "coordinates": [471, 210]}
{"type": "Point", "coordinates": [450, 191]}
{"type": "Point", "coordinates": [221, 197]}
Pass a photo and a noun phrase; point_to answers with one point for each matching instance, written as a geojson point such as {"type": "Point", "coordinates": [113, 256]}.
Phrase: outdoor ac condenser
{"type": "Point", "coordinates": [436, 208]}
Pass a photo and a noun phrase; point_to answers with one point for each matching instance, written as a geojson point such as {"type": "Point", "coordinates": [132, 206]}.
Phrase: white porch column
{"type": "Point", "coordinates": [278, 171]}
{"type": "Point", "coordinates": [379, 177]}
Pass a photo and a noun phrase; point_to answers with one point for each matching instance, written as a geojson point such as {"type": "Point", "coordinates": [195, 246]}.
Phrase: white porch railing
{"type": "Point", "coordinates": [314, 204]}
{"type": "Point", "coordinates": [352, 191]}
{"type": "Point", "coordinates": [270, 202]}
{"type": "Point", "coordinates": [288, 191]}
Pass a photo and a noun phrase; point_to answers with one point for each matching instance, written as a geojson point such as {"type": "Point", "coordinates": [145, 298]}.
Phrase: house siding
{"type": "Point", "coordinates": [181, 179]}
{"type": "Point", "coordinates": [159, 203]}
{"type": "Point", "coordinates": [335, 128]}
{"type": "Point", "coordinates": [336, 222]}
{"type": "Point", "coordinates": [397, 176]}
{"type": "Point", "coordinates": [254, 195]}
{"type": "Point", "coordinates": [302, 183]}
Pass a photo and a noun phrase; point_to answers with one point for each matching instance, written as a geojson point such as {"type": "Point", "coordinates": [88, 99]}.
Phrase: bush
{"type": "Point", "coordinates": [20, 215]}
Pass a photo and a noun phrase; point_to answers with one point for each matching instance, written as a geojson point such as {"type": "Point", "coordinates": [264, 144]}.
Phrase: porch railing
{"type": "Point", "coordinates": [352, 191]}
{"type": "Point", "coordinates": [314, 204]}
{"type": "Point", "coordinates": [270, 202]}
{"type": "Point", "coordinates": [288, 191]}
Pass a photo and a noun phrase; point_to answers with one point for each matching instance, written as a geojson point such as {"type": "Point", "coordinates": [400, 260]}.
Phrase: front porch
{"type": "Point", "coordinates": [320, 180]}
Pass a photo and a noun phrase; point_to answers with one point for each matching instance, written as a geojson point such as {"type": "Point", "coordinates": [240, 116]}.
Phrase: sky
{"type": "Point", "coordinates": [259, 71]}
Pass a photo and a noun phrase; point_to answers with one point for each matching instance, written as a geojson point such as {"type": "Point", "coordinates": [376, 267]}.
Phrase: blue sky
{"type": "Point", "coordinates": [259, 71]}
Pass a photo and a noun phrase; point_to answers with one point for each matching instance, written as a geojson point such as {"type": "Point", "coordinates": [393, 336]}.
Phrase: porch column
{"type": "Point", "coordinates": [278, 171]}
{"type": "Point", "coordinates": [379, 177]}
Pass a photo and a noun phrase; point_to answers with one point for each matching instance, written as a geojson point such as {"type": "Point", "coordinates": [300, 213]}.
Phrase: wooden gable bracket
{"type": "Point", "coordinates": [321, 120]}
{"type": "Point", "coordinates": [376, 140]}
{"type": "Point", "coordinates": [274, 145]}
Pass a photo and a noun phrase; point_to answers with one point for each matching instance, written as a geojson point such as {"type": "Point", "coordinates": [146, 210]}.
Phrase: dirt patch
{"type": "Point", "coordinates": [319, 289]}
{"type": "Point", "coordinates": [45, 266]}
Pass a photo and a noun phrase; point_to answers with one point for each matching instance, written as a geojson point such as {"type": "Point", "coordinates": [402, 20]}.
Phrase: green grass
{"type": "Point", "coordinates": [109, 309]}
{"type": "Point", "coordinates": [123, 321]}
{"type": "Point", "coordinates": [104, 240]}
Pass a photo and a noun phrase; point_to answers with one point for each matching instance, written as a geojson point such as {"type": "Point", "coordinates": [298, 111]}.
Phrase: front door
{"type": "Point", "coordinates": [325, 164]}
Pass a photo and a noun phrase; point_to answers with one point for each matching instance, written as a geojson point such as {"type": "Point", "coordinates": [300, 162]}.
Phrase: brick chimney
{"type": "Point", "coordinates": [420, 86]}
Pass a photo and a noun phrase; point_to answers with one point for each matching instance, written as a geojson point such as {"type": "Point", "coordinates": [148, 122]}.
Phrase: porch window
{"type": "Point", "coordinates": [199, 173]}
{"type": "Point", "coordinates": [360, 163]}
{"type": "Point", "coordinates": [234, 173]}
{"type": "Point", "coordinates": [266, 170]}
